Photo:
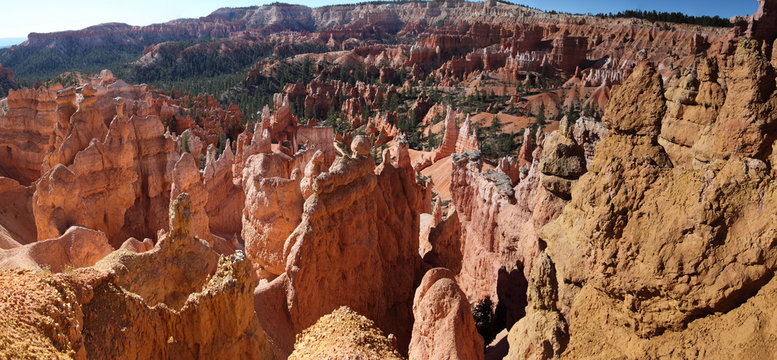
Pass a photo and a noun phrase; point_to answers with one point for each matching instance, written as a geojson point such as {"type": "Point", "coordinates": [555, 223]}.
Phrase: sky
{"type": "Point", "coordinates": [20, 17]}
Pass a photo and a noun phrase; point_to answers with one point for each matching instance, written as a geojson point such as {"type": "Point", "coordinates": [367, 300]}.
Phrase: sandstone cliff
{"type": "Point", "coordinates": [649, 253]}
{"type": "Point", "coordinates": [356, 245]}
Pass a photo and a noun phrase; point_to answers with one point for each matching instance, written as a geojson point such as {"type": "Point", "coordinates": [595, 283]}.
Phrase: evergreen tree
{"type": "Point", "coordinates": [541, 116]}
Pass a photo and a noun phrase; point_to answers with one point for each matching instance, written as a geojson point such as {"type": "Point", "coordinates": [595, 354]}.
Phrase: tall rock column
{"type": "Point", "coordinates": [542, 333]}
{"type": "Point", "coordinates": [444, 327]}
{"type": "Point", "coordinates": [356, 245]}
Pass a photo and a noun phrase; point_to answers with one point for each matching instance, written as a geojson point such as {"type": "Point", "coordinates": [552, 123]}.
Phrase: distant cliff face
{"type": "Point", "coordinates": [463, 37]}
{"type": "Point", "coordinates": [391, 17]}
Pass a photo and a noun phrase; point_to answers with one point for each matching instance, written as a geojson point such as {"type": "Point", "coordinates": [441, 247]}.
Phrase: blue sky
{"type": "Point", "coordinates": [21, 17]}
{"type": "Point", "coordinates": [722, 8]}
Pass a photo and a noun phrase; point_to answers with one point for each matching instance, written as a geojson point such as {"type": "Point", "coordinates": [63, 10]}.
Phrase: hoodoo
{"type": "Point", "coordinates": [391, 180]}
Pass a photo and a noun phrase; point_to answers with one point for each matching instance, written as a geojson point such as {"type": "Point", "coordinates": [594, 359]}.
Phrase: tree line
{"type": "Point", "coordinates": [672, 17]}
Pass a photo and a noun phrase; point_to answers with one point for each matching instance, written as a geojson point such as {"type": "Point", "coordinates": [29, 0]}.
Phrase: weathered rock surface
{"type": "Point", "coordinates": [185, 260]}
{"type": "Point", "coordinates": [103, 189]}
{"type": "Point", "coordinates": [444, 327]}
{"type": "Point", "coordinates": [499, 225]}
{"type": "Point", "coordinates": [562, 162]}
{"type": "Point", "coordinates": [26, 127]}
{"type": "Point", "coordinates": [273, 209]}
{"type": "Point", "coordinates": [748, 112]}
{"type": "Point", "coordinates": [666, 229]}
{"type": "Point", "coordinates": [451, 134]}
{"type": "Point", "coordinates": [216, 321]}
{"type": "Point", "coordinates": [693, 101]}
{"type": "Point", "coordinates": [741, 333]}
{"type": "Point", "coordinates": [356, 245]}
{"type": "Point", "coordinates": [186, 179]}
{"type": "Point", "coordinates": [649, 256]}
{"type": "Point", "coordinates": [639, 106]}
{"type": "Point", "coordinates": [588, 133]}
{"type": "Point", "coordinates": [445, 244]}
{"type": "Point", "coordinates": [491, 240]}
{"type": "Point", "coordinates": [226, 197]}
{"type": "Point", "coordinates": [89, 314]}
{"type": "Point", "coordinates": [456, 139]}
{"type": "Point", "coordinates": [77, 247]}
{"type": "Point", "coordinates": [112, 157]}
{"type": "Point", "coordinates": [762, 25]}
{"type": "Point", "coordinates": [17, 224]}
{"type": "Point", "coordinates": [542, 333]}
{"type": "Point", "coordinates": [40, 317]}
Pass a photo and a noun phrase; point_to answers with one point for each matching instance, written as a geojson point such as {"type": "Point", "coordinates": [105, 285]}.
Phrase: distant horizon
{"type": "Point", "coordinates": [51, 16]}
{"type": "Point", "coordinates": [11, 41]}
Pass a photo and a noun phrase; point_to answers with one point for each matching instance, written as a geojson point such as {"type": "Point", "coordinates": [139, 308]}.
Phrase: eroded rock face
{"type": "Point", "coordinates": [542, 333]}
{"type": "Point", "coordinates": [93, 315]}
{"type": "Point", "coordinates": [739, 333]}
{"type": "Point", "coordinates": [107, 164]}
{"type": "Point", "coordinates": [273, 209]}
{"type": "Point", "coordinates": [49, 301]}
{"type": "Point", "coordinates": [358, 223]}
{"type": "Point", "coordinates": [448, 144]}
{"type": "Point", "coordinates": [456, 139]}
{"type": "Point", "coordinates": [186, 179]}
{"type": "Point", "coordinates": [17, 223]}
{"type": "Point", "coordinates": [588, 133]}
{"type": "Point", "coordinates": [26, 128]}
{"type": "Point", "coordinates": [444, 327]}
{"type": "Point", "coordinates": [497, 231]}
{"type": "Point", "coordinates": [693, 101]}
{"type": "Point", "coordinates": [226, 196]}
{"type": "Point", "coordinates": [185, 260]}
{"type": "Point", "coordinates": [509, 166]}
{"type": "Point", "coordinates": [77, 247]}
{"type": "Point", "coordinates": [747, 113]}
{"type": "Point", "coordinates": [763, 24]}
{"type": "Point", "coordinates": [637, 109]}
{"type": "Point", "coordinates": [188, 332]}
{"type": "Point", "coordinates": [102, 188]}
{"type": "Point", "coordinates": [660, 250]}
{"type": "Point", "coordinates": [563, 161]}
{"type": "Point", "coordinates": [445, 244]}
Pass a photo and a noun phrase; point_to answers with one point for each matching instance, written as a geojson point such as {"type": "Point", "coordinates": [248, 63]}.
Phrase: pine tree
{"type": "Point", "coordinates": [541, 116]}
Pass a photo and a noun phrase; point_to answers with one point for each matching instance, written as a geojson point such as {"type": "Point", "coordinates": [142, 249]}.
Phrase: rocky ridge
{"type": "Point", "coordinates": [658, 282]}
